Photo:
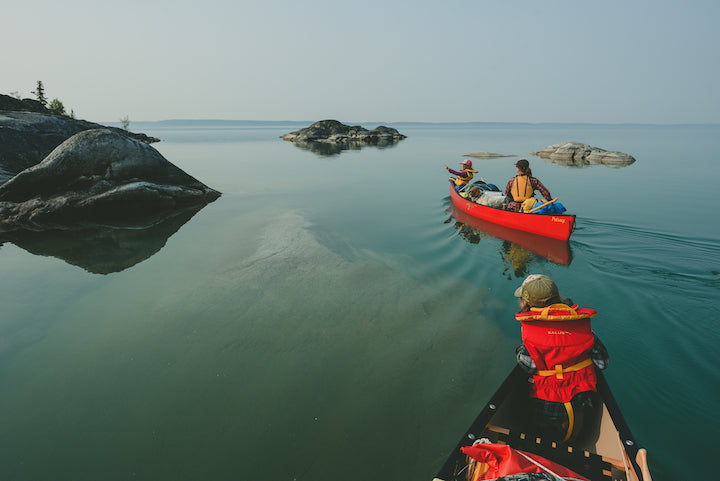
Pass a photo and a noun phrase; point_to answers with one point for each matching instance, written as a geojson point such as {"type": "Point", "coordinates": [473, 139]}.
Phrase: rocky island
{"type": "Point", "coordinates": [332, 131]}
{"type": "Point", "coordinates": [29, 132]}
{"type": "Point", "coordinates": [98, 176]}
{"type": "Point", "coordinates": [57, 172]}
{"type": "Point", "coordinates": [580, 155]}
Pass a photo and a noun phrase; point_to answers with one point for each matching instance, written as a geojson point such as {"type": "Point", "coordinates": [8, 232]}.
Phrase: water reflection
{"type": "Point", "coordinates": [519, 249]}
{"type": "Point", "coordinates": [331, 149]}
{"type": "Point", "coordinates": [582, 163]}
{"type": "Point", "coordinates": [101, 249]}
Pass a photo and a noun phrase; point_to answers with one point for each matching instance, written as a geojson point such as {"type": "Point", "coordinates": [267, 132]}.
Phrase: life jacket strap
{"type": "Point", "coordinates": [545, 313]}
{"type": "Point", "coordinates": [571, 420]}
{"type": "Point", "coordinates": [559, 370]}
{"type": "Point", "coordinates": [556, 312]}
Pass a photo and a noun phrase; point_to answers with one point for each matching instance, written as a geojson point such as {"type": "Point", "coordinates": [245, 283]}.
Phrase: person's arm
{"type": "Point", "coordinates": [599, 354]}
{"type": "Point", "coordinates": [455, 172]}
{"type": "Point", "coordinates": [524, 360]}
{"type": "Point", "coordinates": [539, 186]}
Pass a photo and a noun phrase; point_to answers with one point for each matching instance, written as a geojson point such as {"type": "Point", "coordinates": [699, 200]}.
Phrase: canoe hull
{"type": "Point", "coordinates": [549, 225]}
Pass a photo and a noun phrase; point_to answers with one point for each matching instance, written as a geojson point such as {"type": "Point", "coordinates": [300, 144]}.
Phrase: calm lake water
{"type": "Point", "coordinates": [327, 318]}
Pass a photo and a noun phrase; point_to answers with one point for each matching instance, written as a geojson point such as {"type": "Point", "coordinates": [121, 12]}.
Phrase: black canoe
{"type": "Point", "coordinates": [608, 451]}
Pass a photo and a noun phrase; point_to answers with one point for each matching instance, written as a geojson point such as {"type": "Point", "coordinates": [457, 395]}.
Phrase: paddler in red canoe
{"type": "Point", "coordinates": [464, 176]}
{"type": "Point", "coordinates": [561, 351]}
{"type": "Point", "coordinates": [523, 186]}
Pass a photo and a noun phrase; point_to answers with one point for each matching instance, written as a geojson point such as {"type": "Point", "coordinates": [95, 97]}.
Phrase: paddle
{"type": "Point", "coordinates": [541, 206]}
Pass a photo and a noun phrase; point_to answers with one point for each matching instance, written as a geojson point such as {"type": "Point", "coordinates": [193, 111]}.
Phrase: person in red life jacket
{"type": "Point", "coordinates": [561, 351]}
{"type": "Point", "coordinates": [464, 176]}
{"type": "Point", "coordinates": [523, 186]}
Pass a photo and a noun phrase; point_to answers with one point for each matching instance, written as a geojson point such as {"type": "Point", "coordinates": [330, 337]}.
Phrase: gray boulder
{"type": "Point", "coordinates": [336, 132]}
{"type": "Point", "coordinates": [580, 155]}
{"type": "Point", "coordinates": [98, 176]}
{"type": "Point", "coordinates": [29, 132]}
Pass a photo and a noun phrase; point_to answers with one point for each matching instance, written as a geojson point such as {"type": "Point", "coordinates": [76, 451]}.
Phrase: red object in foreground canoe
{"type": "Point", "coordinates": [549, 225]}
{"type": "Point", "coordinates": [495, 460]}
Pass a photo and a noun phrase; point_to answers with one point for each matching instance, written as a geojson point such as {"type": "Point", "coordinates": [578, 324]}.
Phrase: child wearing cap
{"type": "Point", "coordinates": [464, 176]}
{"type": "Point", "coordinates": [561, 351]}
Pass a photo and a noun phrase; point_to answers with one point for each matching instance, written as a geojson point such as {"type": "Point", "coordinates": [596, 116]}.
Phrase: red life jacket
{"type": "Point", "coordinates": [559, 339]}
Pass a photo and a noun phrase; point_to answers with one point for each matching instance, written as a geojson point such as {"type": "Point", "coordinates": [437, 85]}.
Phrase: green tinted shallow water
{"type": "Point", "coordinates": [326, 317]}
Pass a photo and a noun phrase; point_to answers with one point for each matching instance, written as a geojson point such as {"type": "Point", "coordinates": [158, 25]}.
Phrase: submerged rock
{"type": "Point", "coordinates": [337, 132]}
{"type": "Point", "coordinates": [580, 155]}
{"type": "Point", "coordinates": [487, 155]}
{"type": "Point", "coordinates": [98, 175]}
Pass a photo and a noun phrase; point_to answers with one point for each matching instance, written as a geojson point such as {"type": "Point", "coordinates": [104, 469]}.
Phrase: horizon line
{"type": "Point", "coordinates": [421, 122]}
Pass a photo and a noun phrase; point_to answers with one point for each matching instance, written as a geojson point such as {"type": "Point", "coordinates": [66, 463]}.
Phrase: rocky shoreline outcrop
{"type": "Point", "coordinates": [98, 176]}
{"type": "Point", "coordinates": [333, 131]}
{"type": "Point", "coordinates": [29, 132]}
{"type": "Point", "coordinates": [581, 155]}
{"type": "Point", "coordinates": [62, 174]}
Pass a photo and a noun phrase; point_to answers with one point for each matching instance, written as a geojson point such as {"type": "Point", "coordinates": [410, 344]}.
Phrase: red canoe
{"type": "Point", "coordinates": [549, 225]}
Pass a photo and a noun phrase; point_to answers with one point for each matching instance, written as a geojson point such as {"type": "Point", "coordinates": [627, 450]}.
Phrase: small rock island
{"type": "Point", "coordinates": [333, 131]}
{"type": "Point", "coordinates": [581, 155]}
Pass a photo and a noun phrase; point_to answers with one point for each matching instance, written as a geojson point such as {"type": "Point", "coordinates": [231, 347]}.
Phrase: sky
{"type": "Point", "coordinates": [610, 61]}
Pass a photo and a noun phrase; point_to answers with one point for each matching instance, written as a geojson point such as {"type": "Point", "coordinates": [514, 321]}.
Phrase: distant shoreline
{"type": "Point", "coordinates": [226, 122]}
